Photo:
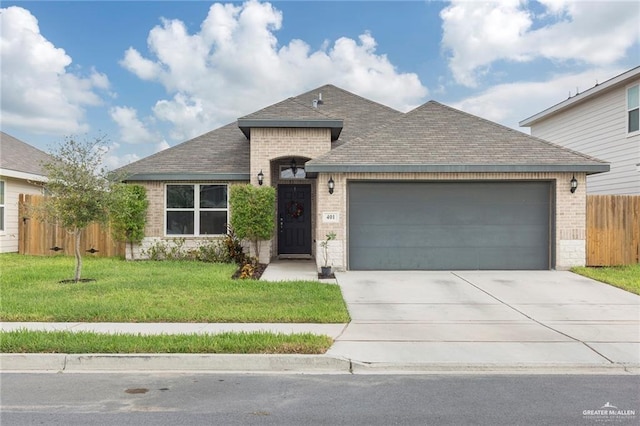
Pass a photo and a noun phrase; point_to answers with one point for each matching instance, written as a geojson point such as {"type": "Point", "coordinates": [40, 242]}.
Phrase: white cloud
{"type": "Point", "coordinates": [235, 65]}
{"type": "Point", "coordinates": [112, 161]}
{"type": "Point", "coordinates": [132, 130]}
{"type": "Point", "coordinates": [38, 92]}
{"type": "Point", "coordinates": [476, 34]}
{"type": "Point", "coordinates": [161, 146]}
{"type": "Point", "coordinates": [511, 103]}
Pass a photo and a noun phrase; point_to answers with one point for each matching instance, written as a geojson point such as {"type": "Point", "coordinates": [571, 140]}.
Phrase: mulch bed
{"type": "Point", "coordinates": [326, 277]}
{"type": "Point", "coordinates": [257, 273]}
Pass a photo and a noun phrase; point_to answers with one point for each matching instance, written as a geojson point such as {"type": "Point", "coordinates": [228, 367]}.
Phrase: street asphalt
{"type": "Point", "coordinates": [412, 322]}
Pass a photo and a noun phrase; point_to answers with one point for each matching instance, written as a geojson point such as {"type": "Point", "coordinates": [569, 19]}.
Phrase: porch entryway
{"type": "Point", "coordinates": [294, 220]}
{"type": "Point", "coordinates": [292, 270]}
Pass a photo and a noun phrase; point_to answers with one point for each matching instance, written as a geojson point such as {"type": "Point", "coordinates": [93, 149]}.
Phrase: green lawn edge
{"type": "Point", "coordinates": [67, 342]}
{"type": "Point", "coordinates": [624, 277]}
{"type": "Point", "coordinates": [152, 291]}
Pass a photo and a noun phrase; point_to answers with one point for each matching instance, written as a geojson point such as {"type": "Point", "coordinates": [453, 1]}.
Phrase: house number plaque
{"type": "Point", "coordinates": [330, 217]}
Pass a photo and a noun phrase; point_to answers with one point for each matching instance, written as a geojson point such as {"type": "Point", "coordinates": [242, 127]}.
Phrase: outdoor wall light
{"type": "Point", "coordinates": [331, 185]}
{"type": "Point", "coordinates": [260, 178]}
{"type": "Point", "coordinates": [574, 184]}
{"type": "Point", "coordinates": [294, 166]}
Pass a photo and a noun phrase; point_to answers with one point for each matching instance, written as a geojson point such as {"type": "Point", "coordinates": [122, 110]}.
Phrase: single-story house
{"type": "Point", "coordinates": [431, 189]}
{"type": "Point", "coordinates": [21, 172]}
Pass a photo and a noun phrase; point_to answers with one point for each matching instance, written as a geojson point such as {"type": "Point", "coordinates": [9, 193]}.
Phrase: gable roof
{"type": "Point", "coordinates": [224, 153]}
{"type": "Point", "coordinates": [221, 154]}
{"type": "Point", "coordinates": [290, 113]}
{"type": "Point", "coordinates": [438, 138]}
{"type": "Point", "coordinates": [20, 160]}
{"type": "Point", "coordinates": [360, 115]}
{"type": "Point", "coordinates": [617, 81]}
{"type": "Point", "coordinates": [374, 138]}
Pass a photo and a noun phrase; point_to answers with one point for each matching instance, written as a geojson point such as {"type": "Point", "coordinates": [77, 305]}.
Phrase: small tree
{"type": "Point", "coordinates": [128, 213]}
{"type": "Point", "coordinates": [253, 213]}
{"type": "Point", "coordinates": [77, 188]}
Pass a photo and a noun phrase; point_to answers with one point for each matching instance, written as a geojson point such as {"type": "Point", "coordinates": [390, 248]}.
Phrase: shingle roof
{"type": "Point", "coordinates": [226, 150]}
{"type": "Point", "coordinates": [21, 157]}
{"type": "Point", "coordinates": [360, 115]}
{"type": "Point", "coordinates": [435, 137]}
{"type": "Point", "coordinates": [432, 137]}
{"type": "Point", "coordinates": [290, 108]}
{"type": "Point", "coordinates": [216, 154]}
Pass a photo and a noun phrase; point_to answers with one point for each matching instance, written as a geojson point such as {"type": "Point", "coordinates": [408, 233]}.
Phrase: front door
{"type": "Point", "coordinates": [294, 219]}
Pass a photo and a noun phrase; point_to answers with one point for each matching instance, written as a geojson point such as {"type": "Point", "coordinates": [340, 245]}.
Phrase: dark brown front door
{"type": "Point", "coordinates": [294, 219]}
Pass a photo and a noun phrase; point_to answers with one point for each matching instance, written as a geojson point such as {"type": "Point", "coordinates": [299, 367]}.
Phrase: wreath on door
{"type": "Point", "coordinates": [295, 209]}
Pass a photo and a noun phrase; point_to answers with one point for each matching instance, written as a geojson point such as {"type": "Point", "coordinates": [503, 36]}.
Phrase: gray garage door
{"type": "Point", "coordinates": [449, 225]}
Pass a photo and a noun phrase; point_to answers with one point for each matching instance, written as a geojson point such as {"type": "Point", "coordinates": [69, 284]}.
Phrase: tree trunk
{"type": "Point", "coordinates": [78, 255]}
{"type": "Point", "coordinates": [130, 248]}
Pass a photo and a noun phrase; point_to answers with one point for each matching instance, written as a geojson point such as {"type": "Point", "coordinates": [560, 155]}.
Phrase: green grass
{"type": "Point", "coordinates": [169, 291]}
{"type": "Point", "coordinates": [624, 277]}
{"type": "Point", "coordinates": [24, 341]}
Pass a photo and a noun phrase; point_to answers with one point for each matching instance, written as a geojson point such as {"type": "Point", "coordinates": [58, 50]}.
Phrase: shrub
{"type": "Point", "coordinates": [233, 245]}
{"type": "Point", "coordinates": [214, 251]}
{"type": "Point", "coordinates": [253, 213]}
{"type": "Point", "coordinates": [167, 250]}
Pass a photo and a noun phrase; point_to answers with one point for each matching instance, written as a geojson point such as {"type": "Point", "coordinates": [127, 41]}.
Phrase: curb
{"type": "Point", "coordinates": [506, 369]}
{"type": "Point", "coordinates": [257, 363]}
{"type": "Point", "coordinates": [173, 362]}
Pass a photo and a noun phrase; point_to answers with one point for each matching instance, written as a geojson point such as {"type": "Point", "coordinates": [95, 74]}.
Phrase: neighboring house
{"type": "Point", "coordinates": [603, 122]}
{"type": "Point", "coordinates": [21, 172]}
{"type": "Point", "coordinates": [432, 189]}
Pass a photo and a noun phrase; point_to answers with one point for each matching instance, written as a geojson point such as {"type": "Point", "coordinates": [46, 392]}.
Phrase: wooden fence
{"type": "Point", "coordinates": [613, 230]}
{"type": "Point", "coordinates": [40, 238]}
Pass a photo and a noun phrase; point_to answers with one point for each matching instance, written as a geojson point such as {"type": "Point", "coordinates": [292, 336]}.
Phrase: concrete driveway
{"type": "Point", "coordinates": [488, 318]}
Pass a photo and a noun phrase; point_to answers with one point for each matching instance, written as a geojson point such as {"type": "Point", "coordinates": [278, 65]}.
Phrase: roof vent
{"type": "Point", "coordinates": [317, 101]}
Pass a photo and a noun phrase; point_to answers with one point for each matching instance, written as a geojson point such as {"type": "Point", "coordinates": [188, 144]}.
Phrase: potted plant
{"type": "Point", "coordinates": [326, 269]}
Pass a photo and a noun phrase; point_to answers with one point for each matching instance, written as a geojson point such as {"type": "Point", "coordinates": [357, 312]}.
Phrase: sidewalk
{"type": "Point", "coordinates": [277, 271]}
{"type": "Point", "coordinates": [331, 330]}
{"type": "Point", "coordinates": [415, 322]}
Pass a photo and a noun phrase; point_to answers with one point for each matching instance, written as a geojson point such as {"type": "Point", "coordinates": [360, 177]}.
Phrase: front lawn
{"type": "Point", "coordinates": [24, 341]}
{"type": "Point", "coordinates": [624, 277]}
{"type": "Point", "coordinates": [147, 291]}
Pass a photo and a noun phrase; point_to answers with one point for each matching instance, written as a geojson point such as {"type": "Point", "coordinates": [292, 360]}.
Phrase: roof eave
{"type": "Point", "coordinates": [187, 177]}
{"type": "Point", "coordinates": [456, 168]}
{"type": "Point", "coordinates": [335, 125]}
{"type": "Point", "coordinates": [17, 174]}
{"type": "Point", "coordinates": [619, 80]}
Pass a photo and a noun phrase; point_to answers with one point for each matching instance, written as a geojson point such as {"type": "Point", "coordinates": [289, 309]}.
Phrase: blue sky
{"type": "Point", "coordinates": [152, 74]}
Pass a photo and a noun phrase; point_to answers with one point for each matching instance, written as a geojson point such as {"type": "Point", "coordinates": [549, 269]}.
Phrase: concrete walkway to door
{"type": "Point", "coordinates": [491, 319]}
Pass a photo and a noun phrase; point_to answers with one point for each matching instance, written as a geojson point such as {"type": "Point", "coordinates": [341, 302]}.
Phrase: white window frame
{"type": "Point", "coordinates": [3, 208]}
{"type": "Point", "coordinates": [196, 208]}
{"type": "Point", "coordinates": [629, 109]}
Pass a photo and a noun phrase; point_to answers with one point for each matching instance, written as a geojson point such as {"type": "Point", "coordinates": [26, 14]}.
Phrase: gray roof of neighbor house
{"type": "Point", "coordinates": [224, 153]}
{"type": "Point", "coordinates": [19, 156]}
{"type": "Point", "coordinates": [615, 82]}
{"type": "Point", "coordinates": [438, 138]}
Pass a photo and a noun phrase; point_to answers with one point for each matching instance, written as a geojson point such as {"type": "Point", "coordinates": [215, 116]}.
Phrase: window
{"type": "Point", "coordinates": [633, 109]}
{"type": "Point", "coordinates": [286, 172]}
{"type": "Point", "coordinates": [196, 209]}
{"type": "Point", "coordinates": [1, 205]}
